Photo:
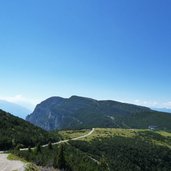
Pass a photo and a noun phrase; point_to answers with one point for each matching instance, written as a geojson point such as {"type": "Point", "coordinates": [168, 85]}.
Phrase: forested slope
{"type": "Point", "coordinates": [14, 131]}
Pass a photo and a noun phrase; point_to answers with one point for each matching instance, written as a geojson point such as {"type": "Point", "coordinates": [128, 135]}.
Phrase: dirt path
{"type": "Point", "coordinates": [77, 138]}
{"type": "Point", "coordinates": [10, 165]}
{"type": "Point", "coordinates": [63, 141]}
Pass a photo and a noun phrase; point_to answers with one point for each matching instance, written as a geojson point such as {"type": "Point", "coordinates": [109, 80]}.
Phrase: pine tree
{"type": "Point", "coordinates": [55, 161]}
{"type": "Point", "coordinates": [50, 146]}
{"type": "Point", "coordinates": [38, 148]}
{"type": "Point", "coordinates": [103, 166]}
{"type": "Point", "coordinates": [29, 149]}
{"type": "Point", "coordinates": [14, 144]}
{"type": "Point", "coordinates": [59, 160]}
{"type": "Point", "coordinates": [18, 147]}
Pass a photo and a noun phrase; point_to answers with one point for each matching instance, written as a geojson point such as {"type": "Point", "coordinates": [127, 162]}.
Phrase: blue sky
{"type": "Point", "coordinates": [118, 50]}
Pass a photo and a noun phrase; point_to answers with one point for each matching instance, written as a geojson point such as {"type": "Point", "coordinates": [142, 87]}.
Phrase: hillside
{"type": "Point", "coordinates": [15, 109]}
{"type": "Point", "coordinates": [109, 149]}
{"type": "Point", "coordinates": [163, 110]}
{"type": "Point", "coordinates": [14, 131]}
{"type": "Point", "coordinates": [79, 112]}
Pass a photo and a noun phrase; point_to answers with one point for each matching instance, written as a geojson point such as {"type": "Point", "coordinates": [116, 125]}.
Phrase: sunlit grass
{"type": "Point", "coordinates": [156, 137]}
{"type": "Point", "coordinates": [69, 134]}
{"type": "Point", "coordinates": [14, 157]}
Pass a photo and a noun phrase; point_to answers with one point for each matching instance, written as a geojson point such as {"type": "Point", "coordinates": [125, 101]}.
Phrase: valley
{"type": "Point", "coordinates": [92, 136]}
{"type": "Point", "coordinates": [15, 109]}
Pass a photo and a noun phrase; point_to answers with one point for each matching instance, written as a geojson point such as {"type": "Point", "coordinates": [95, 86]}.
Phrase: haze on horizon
{"type": "Point", "coordinates": [117, 50]}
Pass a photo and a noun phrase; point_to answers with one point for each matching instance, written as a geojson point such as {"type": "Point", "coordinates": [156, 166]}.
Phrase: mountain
{"type": "Point", "coordinates": [80, 112]}
{"type": "Point", "coordinates": [15, 109]}
{"type": "Point", "coordinates": [163, 110]}
{"type": "Point", "coordinates": [14, 130]}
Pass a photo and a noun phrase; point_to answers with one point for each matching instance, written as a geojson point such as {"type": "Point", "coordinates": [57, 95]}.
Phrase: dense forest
{"type": "Point", "coordinates": [107, 149]}
{"type": "Point", "coordinates": [15, 131]}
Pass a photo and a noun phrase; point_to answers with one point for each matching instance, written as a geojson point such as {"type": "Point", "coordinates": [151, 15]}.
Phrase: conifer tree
{"type": "Point", "coordinates": [29, 149]}
{"type": "Point", "coordinates": [59, 160]}
{"type": "Point", "coordinates": [50, 145]}
{"type": "Point", "coordinates": [38, 148]}
{"type": "Point", "coordinates": [103, 166]}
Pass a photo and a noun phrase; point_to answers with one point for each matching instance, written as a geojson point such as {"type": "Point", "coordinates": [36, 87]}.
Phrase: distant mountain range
{"type": "Point", "coordinates": [15, 109]}
{"type": "Point", "coordinates": [80, 112]}
{"type": "Point", "coordinates": [163, 110]}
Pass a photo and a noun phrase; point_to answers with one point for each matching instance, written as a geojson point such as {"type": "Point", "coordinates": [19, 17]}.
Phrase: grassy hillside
{"type": "Point", "coordinates": [111, 149]}
{"type": "Point", "coordinates": [69, 134]}
{"type": "Point", "coordinates": [14, 131]}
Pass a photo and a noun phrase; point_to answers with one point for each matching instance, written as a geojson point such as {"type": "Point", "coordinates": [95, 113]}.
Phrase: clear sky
{"type": "Point", "coordinates": [118, 50]}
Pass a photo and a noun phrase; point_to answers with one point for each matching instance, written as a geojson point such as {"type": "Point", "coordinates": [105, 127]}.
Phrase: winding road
{"type": "Point", "coordinates": [77, 138]}
{"type": "Point", "coordinates": [11, 165]}
{"type": "Point", "coordinates": [64, 141]}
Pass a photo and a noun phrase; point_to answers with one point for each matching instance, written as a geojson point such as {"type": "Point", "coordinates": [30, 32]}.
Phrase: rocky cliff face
{"type": "Point", "coordinates": [44, 115]}
{"type": "Point", "coordinates": [79, 112]}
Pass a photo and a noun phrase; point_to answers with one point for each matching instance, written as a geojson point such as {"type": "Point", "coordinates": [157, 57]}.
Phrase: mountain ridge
{"type": "Point", "coordinates": [14, 108]}
{"type": "Point", "coordinates": [79, 112]}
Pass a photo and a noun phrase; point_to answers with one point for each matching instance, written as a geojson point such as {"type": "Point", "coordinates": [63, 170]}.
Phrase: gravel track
{"type": "Point", "coordinates": [10, 165]}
